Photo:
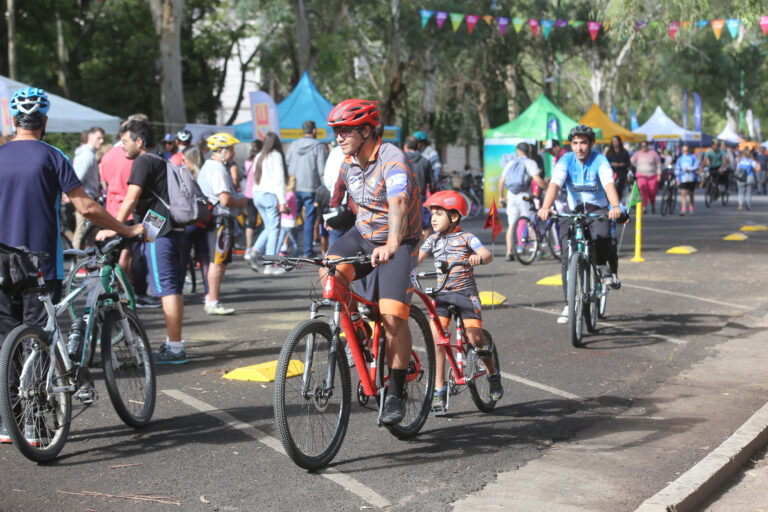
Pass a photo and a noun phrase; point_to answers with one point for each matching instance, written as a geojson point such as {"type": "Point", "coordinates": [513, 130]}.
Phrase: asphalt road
{"type": "Point", "coordinates": [210, 446]}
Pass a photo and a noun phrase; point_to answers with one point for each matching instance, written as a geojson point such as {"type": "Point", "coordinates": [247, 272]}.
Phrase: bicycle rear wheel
{"type": "Point", "coordinates": [311, 414]}
{"type": "Point", "coordinates": [603, 304]}
{"type": "Point", "coordinates": [420, 380]}
{"type": "Point", "coordinates": [708, 195]}
{"type": "Point", "coordinates": [525, 240]}
{"type": "Point", "coordinates": [592, 299]}
{"type": "Point", "coordinates": [75, 278]}
{"type": "Point", "coordinates": [37, 423]}
{"type": "Point", "coordinates": [128, 369]}
{"type": "Point", "coordinates": [575, 299]}
{"type": "Point", "coordinates": [665, 201]}
{"type": "Point", "coordinates": [724, 196]}
{"type": "Point", "coordinates": [478, 386]}
{"type": "Point", "coordinates": [672, 200]}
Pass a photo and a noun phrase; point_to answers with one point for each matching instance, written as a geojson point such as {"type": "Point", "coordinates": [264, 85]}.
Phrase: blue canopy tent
{"type": "Point", "coordinates": [306, 103]}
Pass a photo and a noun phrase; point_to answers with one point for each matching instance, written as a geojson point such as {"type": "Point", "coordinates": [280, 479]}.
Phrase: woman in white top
{"type": "Point", "coordinates": [269, 176]}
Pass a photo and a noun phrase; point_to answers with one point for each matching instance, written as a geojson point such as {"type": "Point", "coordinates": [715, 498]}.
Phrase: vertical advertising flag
{"type": "Point", "coordinates": [613, 114]}
{"type": "Point", "coordinates": [758, 132]}
{"type": "Point", "coordinates": [685, 108]}
{"type": "Point", "coordinates": [6, 121]}
{"type": "Point", "coordinates": [633, 124]}
{"type": "Point", "coordinates": [750, 124]}
{"type": "Point", "coordinates": [264, 115]}
{"type": "Point", "coordinates": [696, 112]}
{"type": "Point", "coordinates": [553, 127]}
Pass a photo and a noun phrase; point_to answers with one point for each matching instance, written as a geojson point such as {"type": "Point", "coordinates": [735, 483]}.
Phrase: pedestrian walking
{"type": "Point", "coordinates": [196, 236]}
{"type": "Point", "coordinates": [648, 173]}
{"type": "Point", "coordinates": [87, 170]}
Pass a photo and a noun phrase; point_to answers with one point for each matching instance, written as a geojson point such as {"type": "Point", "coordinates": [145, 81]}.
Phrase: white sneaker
{"type": "Point", "coordinates": [252, 258]}
{"type": "Point", "coordinates": [563, 318]}
{"type": "Point", "coordinates": [273, 270]}
{"type": "Point", "coordinates": [217, 308]}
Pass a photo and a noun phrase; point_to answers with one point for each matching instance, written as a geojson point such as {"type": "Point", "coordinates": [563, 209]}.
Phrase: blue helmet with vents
{"type": "Point", "coordinates": [28, 101]}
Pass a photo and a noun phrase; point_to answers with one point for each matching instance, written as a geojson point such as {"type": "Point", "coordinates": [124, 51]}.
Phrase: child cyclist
{"type": "Point", "coordinates": [450, 244]}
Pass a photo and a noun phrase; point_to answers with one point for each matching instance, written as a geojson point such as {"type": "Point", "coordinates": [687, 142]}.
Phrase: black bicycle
{"type": "Point", "coordinates": [714, 190]}
{"type": "Point", "coordinates": [668, 188]}
{"type": "Point", "coordinates": [530, 234]}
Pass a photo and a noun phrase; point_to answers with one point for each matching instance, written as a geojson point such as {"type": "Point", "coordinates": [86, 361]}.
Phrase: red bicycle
{"type": "Point", "coordinates": [466, 367]}
{"type": "Point", "coordinates": [312, 393]}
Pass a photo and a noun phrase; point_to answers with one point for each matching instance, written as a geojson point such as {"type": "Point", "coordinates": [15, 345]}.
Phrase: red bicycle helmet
{"type": "Point", "coordinates": [449, 200]}
{"type": "Point", "coordinates": [354, 112]}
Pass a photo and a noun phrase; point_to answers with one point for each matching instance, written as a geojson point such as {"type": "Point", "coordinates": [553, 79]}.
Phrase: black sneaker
{"type": "Point", "coordinates": [394, 410]}
{"type": "Point", "coordinates": [494, 387]}
{"type": "Point", "coordinates": [147, 302]}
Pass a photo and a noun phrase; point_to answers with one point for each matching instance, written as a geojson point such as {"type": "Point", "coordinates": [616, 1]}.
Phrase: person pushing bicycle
{"type": "Point", "coordinates": [387, 226]}
{"type": "Point", "coordinates": [450, 244]}
{"type": "Point", "coordinates": [588, 179]}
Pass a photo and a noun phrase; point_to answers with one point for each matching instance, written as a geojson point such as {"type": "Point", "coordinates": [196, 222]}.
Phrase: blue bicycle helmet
{"type": "Point", "coordinates": [28, 101]}
{"type": "Point", "coordinates": [422, 136]}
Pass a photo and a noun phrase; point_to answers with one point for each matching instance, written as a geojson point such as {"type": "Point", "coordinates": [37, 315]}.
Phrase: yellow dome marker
{"type": "Point", "coordinates": [264, 372]}
{"type": "Point", "coordinates": [755, 227]}
{"type": "Point", "coordinates": [682, 249]}
{"type": "Point", "coordinates": [556, 280]}
{"type": "Point", "coordinates": [736, 237]}
{"type": "Point", "coordinates": [492, 299]}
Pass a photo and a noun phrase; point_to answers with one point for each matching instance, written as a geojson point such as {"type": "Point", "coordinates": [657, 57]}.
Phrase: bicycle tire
{"type": "Point", "coordinates": [131, 383]}
{"type": "Point", "coordinates": [481, 394]}
{"type": "Point", "coordinates": [73, 280]}
{"type": "Point", "coordinates": [663, 209]}
{"type": "Point", "coordinates": [18, 349]}
{"type": "Point", "coordinates": [708, 195]}
{"type": "Point", "coordinates": [418, 387]}
{"type": "Point", "coordinates": [603, 305]}
{"type": "Point", "coordinates": [673, 200]}
{"type": "Point", "coordinates": [593, 301]}
{"type": "Point", "coordinates": [527, 247]}
{"type": "Point", "coordinates": [724, 196]}
{"type": "Point", "coordinates": [315, 332]}
{"type": "Point", "coordinates": [575, 305]}
{"type": "Point", "coordinates": [553, 241]}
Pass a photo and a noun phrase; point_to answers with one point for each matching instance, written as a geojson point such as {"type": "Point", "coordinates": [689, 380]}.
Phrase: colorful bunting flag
{"type": "Point", "coordinates": [546, 26]}
{"type": "Point", "coordinates": [425, 15]}
{"type": "Point", "coordinates": [717, 27]}
{"type": "Point", "coordinates": [456, 19]}
{"type": "Point", "coordinates": [502, 23]}
{"type": "Point", "coordinates": [606, 25]}
{"type": "Point", "coordinates": [534, 24]}
{"type": "Point", "coordinates": [576, 23]}
{"type": "Point", "coordinates": [764, 24]}
{"type": "Point", "coordinates": [561, 23]}
{"type": "Point", "coordinates": [440, 18]}
{"type": "Point", "coordinates": [702, 23]}
{"type": "Point", "coordinates": [685, 24]}
{"type": "Point", "coordinates": [518, 24]}
{"type": "Point", "coordinates": [733, 27]}
{"type": "Point", "coordinates": [654, 24]}
{"type": "Point", "coordinates": [594, 29]}
{"type": "Point", "coordinates": [488, 19]}
{"type": "Point", "coordinates": [640, 24]}
{"type": "Point", "coordinates": [673, 26]}
{"type": "Point", "coordinates": [472, 20]}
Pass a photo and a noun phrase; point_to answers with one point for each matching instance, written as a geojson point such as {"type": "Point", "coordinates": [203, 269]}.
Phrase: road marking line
{"type": "Point", "coordinates": [719, 302]}
{"type": "Point", "coordinates": [670, 339]}
{"type": "Point", "coordinates": [533, 384]}
{"type": "Point", "coordinates": [334, 475]}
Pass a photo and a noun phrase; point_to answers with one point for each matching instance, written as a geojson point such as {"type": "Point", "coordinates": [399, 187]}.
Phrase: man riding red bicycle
{"type": "Point", "coordinates": [388, 226]}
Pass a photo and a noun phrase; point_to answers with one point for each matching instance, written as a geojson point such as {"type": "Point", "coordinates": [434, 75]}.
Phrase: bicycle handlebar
{"type": "Point", "coordinates": [289, 263]}
{"type": "Point", "coordinates": [592, 216]}
{"type": "Point", "coordinates": [443, 268]}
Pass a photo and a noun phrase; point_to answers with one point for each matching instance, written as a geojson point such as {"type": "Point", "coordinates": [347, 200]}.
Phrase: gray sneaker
{"type": "Point", "coordinates": [563, 318]}
{"type": "Point", "coordinates": [164, 355]}
{"type": "Point", "coordinates": [394, 410]}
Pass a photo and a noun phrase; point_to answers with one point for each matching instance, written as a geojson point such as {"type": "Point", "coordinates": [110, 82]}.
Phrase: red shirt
{"type": "Point", "coordinates": [115, 170]}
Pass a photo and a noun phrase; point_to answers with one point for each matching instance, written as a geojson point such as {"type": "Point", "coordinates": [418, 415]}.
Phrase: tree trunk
{"type": "Point", "coordinates": [395, 88]}
{"type": "Point", "coordinates": [427, 114]}
{"type": "Point", "coordinates": [11, 17]}
{"type": "Point", "coordinates": [166, 15]}
{"type": "Point", "coordinates": [511, 84]}
{"type": "Point", "coordinates": [61, 51]}
{"type": "Point", "coordinates": [303, 35]}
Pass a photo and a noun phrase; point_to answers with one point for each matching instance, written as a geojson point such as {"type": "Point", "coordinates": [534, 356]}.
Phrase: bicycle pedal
{"type": "Point", "coordinates": [439, 410]}
{"type": "Point", "coordinates": [482, 353]}
{"type": "Point", "coordinates": [87, 395]}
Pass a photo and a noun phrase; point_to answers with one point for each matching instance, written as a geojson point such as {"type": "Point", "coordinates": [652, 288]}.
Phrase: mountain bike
{"type": "Point", "coordinates": [668, 188]}
{"type": "Point", "coordinates": [41, 370]}
{"type": "Point", "coordinates": [312, 393]}
{"type": "Point", "coordinates": [530, 233]}
{"type": "Point", "coordinates": [466, 368]}
{"type": "Point", "coordinates": [714, 191]}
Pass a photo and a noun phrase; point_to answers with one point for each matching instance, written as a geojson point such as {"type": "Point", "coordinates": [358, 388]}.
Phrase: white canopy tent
{"type": "Point", "coordinates": [730, 136]}
{"type": "Point", "coordinates": [660, 127]}
{"type": "Point", "coordinates": [66, 116]}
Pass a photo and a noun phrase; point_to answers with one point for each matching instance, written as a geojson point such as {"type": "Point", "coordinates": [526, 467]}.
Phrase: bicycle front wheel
{"type": "Point", "coordinates": [420, 380]}
{"type": "Point", "coordinates": [128, 370]}
{"type": "Point", "coordinates": [603, 304]}
{"type": "Point", "coordinates": [478, 386]}
{"type": "Point", "coordinates": [525, 240]}
{"type": "Point", "coordinates": [37, 421]}
{"type": "Point", "coordinates": [592, 299]}
{"type": "Point", "coordinates": [725, 196]}
{"type": "Point", "coordinates": [311, 412]}
{"type": "Point", "coordinates": [575, 299]}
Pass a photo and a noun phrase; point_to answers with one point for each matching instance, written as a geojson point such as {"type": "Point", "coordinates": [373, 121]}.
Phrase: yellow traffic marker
{"type": "Point", "coordinates": [556, 280]}
{"type": "Point", "coordinates": [492, 299]}
{"type": "Point", "coordinates": [682, 249]}
{"type": "Point", "coordinates": [755, 227]}
{"type": "Point", "coordinates": [736, 237]}
{"type": "Point", "coordinates": [264, 372]}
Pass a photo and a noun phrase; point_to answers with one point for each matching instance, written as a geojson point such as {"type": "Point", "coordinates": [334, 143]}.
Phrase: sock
{"type": "Point", "coordinates": [211, 302]}
{"type": "Point", "coordinates": [397, 382]}
{"type": "Point", "coordinates": [175, 346]}
{"type": "Point", "coordinates": [442, 389]}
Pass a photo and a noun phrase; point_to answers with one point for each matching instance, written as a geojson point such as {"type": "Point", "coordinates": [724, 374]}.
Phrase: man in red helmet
{"type": "Point", "coordinates": [387, 226]}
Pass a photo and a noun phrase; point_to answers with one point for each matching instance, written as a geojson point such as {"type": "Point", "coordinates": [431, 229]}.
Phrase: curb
{"type": "Point", "coordinates": [696, 484]}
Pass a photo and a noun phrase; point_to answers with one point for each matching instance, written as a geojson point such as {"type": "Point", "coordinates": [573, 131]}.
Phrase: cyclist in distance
{"type": "Point", "coordinates": [387, 226]}
{"type": "Point", "coordinates": [588, 179]}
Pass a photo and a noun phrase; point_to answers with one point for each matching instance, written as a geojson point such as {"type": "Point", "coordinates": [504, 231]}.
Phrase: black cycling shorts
{"type": "Point", "coordinates": [468, 305]}
{"type": "Point", "coordinates": [688, 185]}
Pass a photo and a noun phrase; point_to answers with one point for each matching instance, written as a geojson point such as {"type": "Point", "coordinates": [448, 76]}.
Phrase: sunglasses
{"type": "Point", "coordinates": [343, 131]}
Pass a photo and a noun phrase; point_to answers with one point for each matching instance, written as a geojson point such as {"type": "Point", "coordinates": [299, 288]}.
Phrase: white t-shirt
{"type": "Point", "coordinates": [332, 168]}
{"type": "Point", "coordinates": [213, 180]}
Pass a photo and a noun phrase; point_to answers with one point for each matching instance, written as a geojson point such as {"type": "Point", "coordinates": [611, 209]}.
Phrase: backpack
{"type": "Point", "coordinates": [188, 204]}
{"type": "Point", "coordinates": [516, 179]}
{"type": "Point", "coordinates": [742, 169]}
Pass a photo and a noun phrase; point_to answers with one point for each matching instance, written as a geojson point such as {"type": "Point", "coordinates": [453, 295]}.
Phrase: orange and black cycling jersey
{"type": "Point", "coordinates": [451, 247]}
{"type": "Point", "coordinates": [386, 176]}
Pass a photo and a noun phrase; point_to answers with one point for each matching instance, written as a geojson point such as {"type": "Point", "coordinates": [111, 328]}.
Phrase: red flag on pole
{"type": "Point", "coordinates": [493, 221]}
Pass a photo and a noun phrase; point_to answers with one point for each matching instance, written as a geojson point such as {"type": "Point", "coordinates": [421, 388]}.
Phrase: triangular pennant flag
{"type": "Point", "coordinates": [518, 24]}
{"type": "Point", "coordinates": [456, 19]}
{"type": "Point", "coordinates": [640, 24]}
{"type": "Point", "coordinates": [534, 24]}
{"type": "Point", "coordinates": [634, 197]}
{"type": "Point", "coordinates": [472, 20]}
{"type": "Point", "coordinates": [764, 24]}
{"type": "Point", "coordinates": [502, 23]}
{"type": "Point", "coordinates": [702, 23]}
{"type": "Point", "coordinates": [717, 27]}
{"type": "Point", "coordinates": [493, 221]}
{"type": "Point", "coordinates": [488, 19]}
{"type": "Point", "coordinates": [561, 23]}
{"type": "Point", "coordinates": [425, 15]}
{"type": "Point", "coordinates": [576, 23]}
{"type": "Point", "coordinates": [733, 27]}
{"type": "Point", "coordinates": [685, 24]}
{"type": "Point", "coordinates": [440, 18]}
{"type": "Point", "coordinates": [546, 26]}
{"type": "Point", "coordinates": [607, 25]}
{"type": "Point", "coordinates": [654, 24]}
{"type": "Point", "coordinates": [594, 29]}
{"type": "Point", "coordinates": [673, 26]}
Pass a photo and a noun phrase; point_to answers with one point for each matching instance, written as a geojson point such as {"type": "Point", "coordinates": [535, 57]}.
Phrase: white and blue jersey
{"type": "Point", "coordinates": [584, 183]}
{"type": "Point", "coordinates": [685, 168]}
{"type": "Point", "coordinates": [748, 165]}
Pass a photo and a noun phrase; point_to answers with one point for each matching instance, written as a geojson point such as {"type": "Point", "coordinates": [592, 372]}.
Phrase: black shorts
{"type": "Point", "coordinates": [251, 215]}
{"type": "Point", "coordinates": [467, 303]}
{"type": "Point", "coordinates": [688, 185]}
{"type": "Point", "coordinates": [388, 284]}
{"type": "Point", "coordinates": [220, 235]}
